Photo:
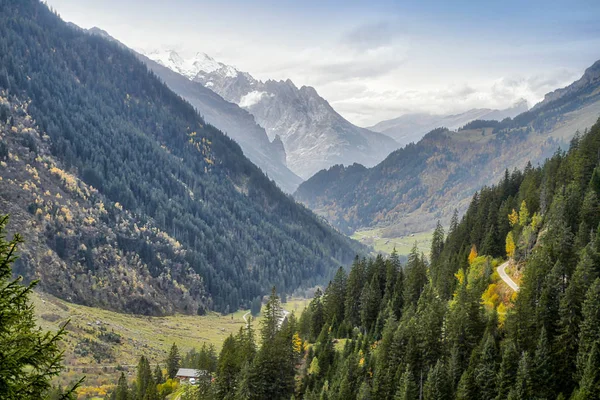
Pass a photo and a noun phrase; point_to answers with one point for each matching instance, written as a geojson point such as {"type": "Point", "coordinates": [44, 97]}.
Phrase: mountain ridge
{"type": "Point", "coordinates": [413, 126]}
{"type": "Point", "coordinates": [314, 135]}
{"type": "Point", "coordinates": [426, 181]}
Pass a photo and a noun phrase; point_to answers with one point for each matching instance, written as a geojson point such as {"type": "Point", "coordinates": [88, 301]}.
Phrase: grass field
{"type": "Point", "coordinates": [139, 335]}
{"type": "Point", "coordinates": [403, 244]}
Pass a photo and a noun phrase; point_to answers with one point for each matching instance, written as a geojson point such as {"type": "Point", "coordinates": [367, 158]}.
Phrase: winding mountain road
{"type": "Point", "coordinates": [506, 278]}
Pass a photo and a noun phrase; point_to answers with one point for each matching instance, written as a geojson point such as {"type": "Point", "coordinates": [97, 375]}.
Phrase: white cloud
{"type": "Point", "coordinates": [367, 107]}
{"type": "Point", "coordinates": [251, 98]}
{"type": "Point", "coordinates": [370, 66]}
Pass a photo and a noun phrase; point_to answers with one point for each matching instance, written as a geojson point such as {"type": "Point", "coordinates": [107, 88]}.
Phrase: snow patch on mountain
{"type": "Point", "coordinates": [191, 67]}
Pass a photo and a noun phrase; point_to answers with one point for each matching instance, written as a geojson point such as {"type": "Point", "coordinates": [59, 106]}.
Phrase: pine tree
{"type": "Point", "coordinates": [391, 274]}
{"type": "Point", "coordinates": [415, 277]}
{"type": "Point", "coordinates": [437, 243]}
{"type": "Point", "coordinates": [244, 389]}
{"type": "Point", "coordinates": [467, 389]}
{"type": "Point", "coordinates": [589, 386]}
{"type": "Point", "coordinates": [437, 386]}
{"type": "Point", "coordinates": [272, 316]}
{"type": "Point", "coordinates": [370, 301]}
{"type": "Point", "coordinates": [407, 389]}
{"type": "Point", "coordinates": [272, 372]}
{"type": "Point", "coordinates": [508, 370]}
{"type": "Point", "coordinates": [549, 303]}
{"type": "Point", "coordinates": [122, 390]}
{"type": "Point", "coordinates": [485, 374]}
{"type": "Point", "coordinates": [151, 391]}
{"type": "Point", "coordinates": [543, 379]}
{"type": "Point", "coordinates": [398, 293]}
{"type": "Point", "coordinates": [317, 314]}
{"type": "Point", "coordinates": [173, 361]}
{"type": "Point", "coordinates": [228, 369]}
{"type": "Point", "coordinates": [29, 357]}
{"type": "Point", "coordinates": [144, 378]}
{"type": "Point", "coordinates": [364, 392]}
{"type": "Point", "coordinates": [256, 306]}
{"type": "Point", "coordinates": [595, 181]}
{"type": "Point", "coordinates": [571, 316]}
{"type": "Point", "coordinates": [523, 389]}
{"type": "Point", "coordinates": [333, 300]}
{"type": "Point", "coordinates": [455, 366]}
{"type": "Point", "coordinates": [384, 373]}
{"type": "Point", "coordinates": [246, 343]}
{"type": "Point", "coordinates": [354, 289]}
{"type": "Point", "coordinates": [158, 375]}
{"type": "Point", "coordinates": [589, 333]}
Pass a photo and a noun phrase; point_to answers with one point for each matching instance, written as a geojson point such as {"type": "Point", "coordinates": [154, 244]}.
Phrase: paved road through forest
{"type": "Point", "coordinates": [506, 278]}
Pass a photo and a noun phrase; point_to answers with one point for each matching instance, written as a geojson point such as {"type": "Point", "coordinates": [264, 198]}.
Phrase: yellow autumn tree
{"type": "Point", "coordinates": [536, 221]}
{"type": "Point", "coordinates": [501, 313]}
{"type": "Point", "coordinates": [513, 218]}
{"type": "Point", "coordinates": [297, 344]}
{"type": "Point", "coordinates": [510, 245]}
{"type": "Point", "coordinates": [314, 368]}
{"type": "Point", "coordinates": [472, 254]}
{"type": "Point", "coordinates": [523, 214]}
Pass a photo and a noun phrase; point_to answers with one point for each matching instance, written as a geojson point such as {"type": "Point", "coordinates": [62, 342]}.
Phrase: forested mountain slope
{"type": "Point", "coordinates": [102, 132]}
{"type": "Point", "coordinates": [423, 182]}
{"type": "Point", "coordinates": [452, 329]}
{"type": "Point", "coordinates": [449, 328]}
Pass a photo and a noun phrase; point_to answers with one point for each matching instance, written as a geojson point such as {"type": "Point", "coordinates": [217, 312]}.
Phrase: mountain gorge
{"type": "Point", "coordinates": [128, 199]}
{"type": "Point", "coordinates": [423, 182]}
{"type": "Point", "coordinates": [314, 135]}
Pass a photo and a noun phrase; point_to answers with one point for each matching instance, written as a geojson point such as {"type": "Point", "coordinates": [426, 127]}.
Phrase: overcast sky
{"type": "Point", "coordinates": [373, 60]}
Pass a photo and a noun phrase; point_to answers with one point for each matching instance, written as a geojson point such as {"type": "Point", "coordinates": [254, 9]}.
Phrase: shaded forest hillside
{"type": "Point", "coordinates": [88, 116]}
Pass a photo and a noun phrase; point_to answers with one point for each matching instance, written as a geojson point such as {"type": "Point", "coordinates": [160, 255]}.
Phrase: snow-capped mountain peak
{"type": "Point", "coordinates": [191, 67]}
{"type": "Point", "coordinates": [308, 132]}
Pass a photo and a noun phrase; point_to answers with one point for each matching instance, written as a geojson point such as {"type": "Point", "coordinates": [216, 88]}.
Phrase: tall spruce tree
{"type": "Point", "coordinates": [228, 368]}
{"type": "Point", "coordinates": [173, 361]}
{"type": "Point", "coordinates": [590, 326]}
{"type": "Point", "coordinates": [437, 385]}
{"type": "Point", "coordinates": [144, 379]}
{"type": "Point", "coordinates": [523, 389]}
{"type": "Point", "coordinates": [29, 357]}
{"type": "Point", "coordinates": [121, 392]}
{"type": "Point", "coordinates": [335, 295]}
{"type": "Point", "coordinates": [158, 375]}
{"type": "Point", "coordinates": [507, 374]}
{"type": "Point", "coordinates": [589, 386]}
{"type": "Point", "coordinates": [407, 387]}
